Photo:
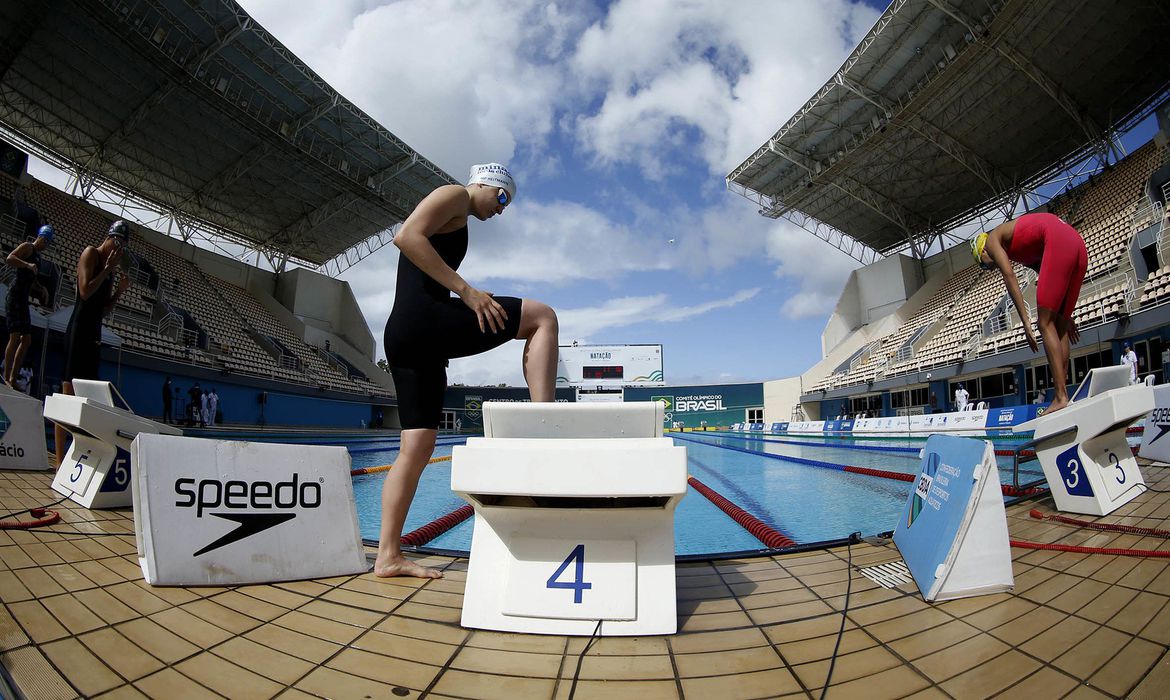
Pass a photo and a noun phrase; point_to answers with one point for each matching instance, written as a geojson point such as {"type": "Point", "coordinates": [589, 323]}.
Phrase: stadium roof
{"type": "Point", "coordinates": [194, 108]}
{"type": "Point", "coordinates": [951, 108]}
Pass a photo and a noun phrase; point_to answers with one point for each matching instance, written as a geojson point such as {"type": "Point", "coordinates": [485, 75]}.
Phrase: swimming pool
{"type": "Point", "coordinates": [808, 503]}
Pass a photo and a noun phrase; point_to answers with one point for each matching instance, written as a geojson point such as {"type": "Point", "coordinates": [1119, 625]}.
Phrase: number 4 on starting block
{"type": "Point", "coordinates": [576, 580]}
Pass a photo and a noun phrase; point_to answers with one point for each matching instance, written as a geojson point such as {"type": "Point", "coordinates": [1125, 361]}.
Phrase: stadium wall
{"type": "Point", "coordinates": [238, 399]}
{"type": "Point", "coordinates": [326, 307]}
{"type": "Point", "coordinates": [870, 294]}
{"type": "Point", "coordinates": [781, 396]}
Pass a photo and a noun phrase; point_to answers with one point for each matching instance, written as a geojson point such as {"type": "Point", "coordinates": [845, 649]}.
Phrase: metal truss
{"type": "Point", "coordinates": [355, 254]}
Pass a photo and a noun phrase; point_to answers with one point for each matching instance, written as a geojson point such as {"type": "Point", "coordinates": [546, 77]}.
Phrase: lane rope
{"type": "Point", "coordinates": [1108, 527]}
{"type": "Point", "coordinates": [441, 524]}
{"type": "Point", "coordinates": [758, 529]}
{"type": "Point", "coordinates": [387, 467]}
{"type": "Point", "coordinates": [1007, 489]}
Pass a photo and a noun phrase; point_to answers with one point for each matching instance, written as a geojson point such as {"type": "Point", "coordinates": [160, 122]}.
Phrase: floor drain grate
{"type": "Point", "coordinates": [888, 575]}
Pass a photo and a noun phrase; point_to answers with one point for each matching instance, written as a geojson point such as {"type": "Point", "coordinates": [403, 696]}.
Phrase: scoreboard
{"type": "Point", "coordinates": [609, 366]}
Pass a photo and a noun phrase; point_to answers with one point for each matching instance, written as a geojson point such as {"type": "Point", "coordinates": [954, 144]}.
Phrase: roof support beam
{"type": "Point", "coordinates": [904, 219]}
{"type": "Point", "coordinates": [972, 161]}
{"type": "Point", "coordinates": [1094, 133]}
{"type": "Point", "coordinates": [164, 91]}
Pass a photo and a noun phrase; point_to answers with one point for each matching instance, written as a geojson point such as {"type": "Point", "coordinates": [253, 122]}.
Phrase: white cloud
{"type": "Point", "coordinates": [504, 363]}
{"type": "Point", "coordinates": [555, 88]}
{"type": "Point", "coordinates": [730, 76]}
{"type": "Point", "coordinates": [818, 268]}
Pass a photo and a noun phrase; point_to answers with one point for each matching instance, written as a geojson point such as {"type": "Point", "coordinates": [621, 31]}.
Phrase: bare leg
{"type": "Point", "coordinates": [397, 492]}
{"type": "Point", "coordinates": [540, 331]}
{"type": "Point", "coordinates": [1056, 348]}
{"type": "Point", "coordinates": [10, 355]}
{"type": "Point", "coordinates": [17, 360]}
{"type": "Point", "coordinates": [58, 431]}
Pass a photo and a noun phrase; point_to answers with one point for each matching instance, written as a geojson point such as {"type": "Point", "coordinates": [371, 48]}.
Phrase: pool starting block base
{"type": "Point", "coordinates": [226, 512]}
{"type": "Point", "coordinates": [97, 468]}
{"type": "Point", "coordinates": [1082, 448]}
{"type": "Point", "coordinates": [574, 523]}
{"type": "Point", "coordinates": [22, 439]}
{"type": "Point", "coordinates": [953, 531]}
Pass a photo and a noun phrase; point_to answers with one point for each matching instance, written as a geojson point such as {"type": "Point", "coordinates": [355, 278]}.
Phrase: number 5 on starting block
{"type": "Point", "coordinates": [571, 579]}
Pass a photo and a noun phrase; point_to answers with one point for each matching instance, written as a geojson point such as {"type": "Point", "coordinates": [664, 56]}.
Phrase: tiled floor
{"type": "Point", "coordinates": [78, 620]}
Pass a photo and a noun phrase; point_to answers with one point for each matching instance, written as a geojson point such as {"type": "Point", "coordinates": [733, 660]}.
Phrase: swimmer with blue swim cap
{"type": "Point", "coordinates": [428, 326]}
{"type": "Point", "coordinates": [26, 258]}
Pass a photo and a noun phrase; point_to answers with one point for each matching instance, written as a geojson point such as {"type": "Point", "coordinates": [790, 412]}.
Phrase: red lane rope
{"type": "Point", "coordinates": [1011, 453]}
{"type": "Point", "coordinates": [41, 517]}
{"type": "Point", "coordinates": [1111, 527]}
{"type": "Point", "coordinates": [1092, 550]}
{"type": "Point", "coordinates": [1007, 489]}
{"type": "Point", "coordinates": [428, 532]}
{"type": "Point", "coordinates": [770, 537]}
{"type": "Point", "coordinates": [897, 476]}
{"type": "Point", "coordinates": [387, 467]}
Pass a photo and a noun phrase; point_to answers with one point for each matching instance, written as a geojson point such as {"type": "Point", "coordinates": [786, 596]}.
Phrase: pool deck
{"type": "Point", "coordinates": [78, 620]}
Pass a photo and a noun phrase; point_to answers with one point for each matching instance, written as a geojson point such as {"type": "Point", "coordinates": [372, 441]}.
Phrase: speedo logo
{"type": "Point", "coordinates": [1161, 418]}
{"type": "Point", "coordinates": [209, 494]}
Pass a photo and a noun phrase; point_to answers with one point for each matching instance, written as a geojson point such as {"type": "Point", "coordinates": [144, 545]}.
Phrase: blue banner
{"type": "Point", "coordinates": [937, 505]}
{"type": "Point", "coordinates": [839, 426]}
{"type": "Point", "coordinates": [1012, 415]}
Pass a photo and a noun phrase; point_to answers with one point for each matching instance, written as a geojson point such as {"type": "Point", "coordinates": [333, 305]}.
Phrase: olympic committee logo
{"type": "Point", "coordinates": [472, 405]}
{"type": "Point", "coordinates": [667, 401]}
{"type": "Point", "coordinates": [922, 488]}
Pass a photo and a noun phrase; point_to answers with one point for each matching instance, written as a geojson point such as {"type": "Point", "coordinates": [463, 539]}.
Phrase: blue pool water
{"type": "Point", "coordinates": [806, 503]}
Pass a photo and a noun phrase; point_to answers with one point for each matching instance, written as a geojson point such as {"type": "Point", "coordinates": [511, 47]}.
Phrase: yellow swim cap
{"type": "Point", "coordinates": [977, 245]}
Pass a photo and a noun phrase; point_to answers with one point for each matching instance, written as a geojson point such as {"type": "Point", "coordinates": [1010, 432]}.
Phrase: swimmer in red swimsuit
{"type": "Point", "coordinates": [1048, 245]}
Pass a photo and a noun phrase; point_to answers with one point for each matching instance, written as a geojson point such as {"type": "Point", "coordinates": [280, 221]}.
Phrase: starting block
{"type": "Point", "coordinates": [574, 523]}
{"type": "Point", "coordinates": [22, 431]}
{"type": "Point", "coordinates": [1082, 448]}
{"type": "Point", "coordinates": [96, 470]}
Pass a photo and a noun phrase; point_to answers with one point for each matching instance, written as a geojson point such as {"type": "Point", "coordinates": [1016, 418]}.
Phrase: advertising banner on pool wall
{"type": "Point", "coordinates": [711, 404]}
{"type": "Point", "coordinates": [953, 530]}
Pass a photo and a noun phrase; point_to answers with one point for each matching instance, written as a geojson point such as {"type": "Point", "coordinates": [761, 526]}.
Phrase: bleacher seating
{"type": "Point", "coordinates": [1102, 208]}
{"type": "Point", "coordinates": [235, 323]}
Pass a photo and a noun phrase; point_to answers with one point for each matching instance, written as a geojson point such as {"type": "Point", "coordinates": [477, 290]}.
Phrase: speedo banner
{"type": "Point", "coordinates": [225, 512]}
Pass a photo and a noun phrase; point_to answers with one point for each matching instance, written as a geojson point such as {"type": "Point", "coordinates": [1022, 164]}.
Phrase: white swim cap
{"type": "Point", "coordinates": [495, 175]}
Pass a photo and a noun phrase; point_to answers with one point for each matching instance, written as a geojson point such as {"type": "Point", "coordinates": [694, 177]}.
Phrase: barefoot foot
{"type": "Point", "coordinates": [401, 566]}
{"type": "Point", "coordinates": [1056, 406]}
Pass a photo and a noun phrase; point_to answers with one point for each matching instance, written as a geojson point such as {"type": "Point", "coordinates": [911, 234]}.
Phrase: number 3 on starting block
{"type": "Point", "coordinates": [550, 578]}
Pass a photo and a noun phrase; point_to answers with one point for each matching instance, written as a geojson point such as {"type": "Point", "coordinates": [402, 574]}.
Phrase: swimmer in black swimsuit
{"type": "Point", "coordinates": [428, 326]}
{"type": "Point", "coordinates": [26, 258]}
{"type": "Point", "coordinates": [96, 297]}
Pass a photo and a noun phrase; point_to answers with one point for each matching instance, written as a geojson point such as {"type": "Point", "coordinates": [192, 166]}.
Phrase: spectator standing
{"type": "Point", "coordinates": [167, 395]}
{"type": "Point", "coordinates": [961, 397]}
{"type": "Point", "coordinates": [212, 407]}
{"type": "Point", "coordinates": [1130, 359]}
{"type": "Point", "coordinates": [24, 380]}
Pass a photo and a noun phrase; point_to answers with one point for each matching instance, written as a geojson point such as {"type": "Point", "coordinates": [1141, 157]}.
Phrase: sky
{"type": "Point", "coordinates": [619, 121]}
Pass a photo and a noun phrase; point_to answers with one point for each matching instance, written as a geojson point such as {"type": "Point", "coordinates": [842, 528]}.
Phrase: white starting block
{"type": "Point", "coordinates": [574, 523]}
{"type": "Point", "coordinates": [22, 431]}
{"type": "Point", "coordinates": [1082, 448]}
{"type": "Point", "coordinates": [228, 512]}
{"type": "Point", "coordinates": [96, 470]}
